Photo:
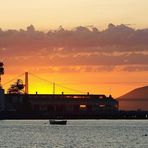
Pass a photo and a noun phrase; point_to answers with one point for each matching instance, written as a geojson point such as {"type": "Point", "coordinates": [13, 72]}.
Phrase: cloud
{"type": "Point", "coordinates": [83, 46]}
{"type": "Point", "coordinates": [81, 59]}
{"type": "Point", "coordinates": [137, 68]}
{"type": "Point", "coordinates": [118, 38]}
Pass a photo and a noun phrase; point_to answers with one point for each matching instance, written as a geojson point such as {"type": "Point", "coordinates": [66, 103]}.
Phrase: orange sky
{"type": "Point", "coordinates": [101, 48]}
{"type": "Point", "coordinates": [116, 83]}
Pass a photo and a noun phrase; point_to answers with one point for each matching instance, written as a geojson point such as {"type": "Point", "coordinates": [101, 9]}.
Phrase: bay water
{"type": "Point", "coordinates": [76, 134]}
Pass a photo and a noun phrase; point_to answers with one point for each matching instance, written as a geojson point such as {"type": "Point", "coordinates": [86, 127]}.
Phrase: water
{"type": "Point", "coordinates": [76, 134]}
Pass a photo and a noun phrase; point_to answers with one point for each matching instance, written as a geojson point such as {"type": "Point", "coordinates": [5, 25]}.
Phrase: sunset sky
{"type": "Point", "coordinates": [100, 46]}
{"type": "Point", "coordinates": [45, 14]}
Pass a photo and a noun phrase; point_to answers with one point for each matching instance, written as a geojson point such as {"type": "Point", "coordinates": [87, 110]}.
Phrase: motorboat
{"type": "Point", "coordinates": [58, 122]}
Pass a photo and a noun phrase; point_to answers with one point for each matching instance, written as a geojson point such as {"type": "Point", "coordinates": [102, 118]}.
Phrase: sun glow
{"type": "Point", "coordinates": [115, 83]}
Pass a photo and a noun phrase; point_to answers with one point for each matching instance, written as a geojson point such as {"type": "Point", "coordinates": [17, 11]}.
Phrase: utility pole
{"type": "Point", "coordinates": [110, 91]}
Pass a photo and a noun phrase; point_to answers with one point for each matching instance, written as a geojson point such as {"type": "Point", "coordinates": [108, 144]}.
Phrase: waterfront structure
{"type": "Point", "coordinates": [54, 106]}
{"type": "Point", "coordinates": [17, 104]}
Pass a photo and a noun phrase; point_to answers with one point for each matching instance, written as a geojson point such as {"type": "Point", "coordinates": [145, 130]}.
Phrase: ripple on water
{"type": "Point", "coordinates": [76, 134]}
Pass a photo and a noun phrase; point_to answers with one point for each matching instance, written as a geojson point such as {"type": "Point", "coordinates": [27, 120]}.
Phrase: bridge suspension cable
{"type": "Point", "coordinates": [13, 79]}
{"type": "Point", "coordinates": [74, 90]}
{"type": "Point", "coordinates": [42, 79]}
{"type": "Point", "coordinates": [59, 85]}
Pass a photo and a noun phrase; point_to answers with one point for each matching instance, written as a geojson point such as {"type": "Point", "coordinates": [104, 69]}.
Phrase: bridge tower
{"type": "Point", "coordinates": [26, 83]}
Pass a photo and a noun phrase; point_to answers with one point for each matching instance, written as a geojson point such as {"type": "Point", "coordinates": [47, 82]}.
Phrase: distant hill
{"type": "Point", "coordinates": [136, 99]}
{"type": "Point", "coordinates": [138, 93]}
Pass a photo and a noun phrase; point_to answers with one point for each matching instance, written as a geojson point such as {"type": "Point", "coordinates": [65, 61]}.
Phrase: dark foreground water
{"type": "Point", "coordinates": [76, 134]}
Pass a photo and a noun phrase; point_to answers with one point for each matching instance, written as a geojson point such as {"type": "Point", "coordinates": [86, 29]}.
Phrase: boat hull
{"type": "Point", "coordinates": [60, 122]}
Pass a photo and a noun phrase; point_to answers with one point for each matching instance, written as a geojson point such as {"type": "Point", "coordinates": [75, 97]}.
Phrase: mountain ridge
{"type": "Point", "coordinates": [137, 93]}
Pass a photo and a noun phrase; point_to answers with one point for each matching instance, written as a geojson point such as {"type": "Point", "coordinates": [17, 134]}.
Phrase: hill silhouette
{"type": "Point", "coordinates": [136, 99]}
{"type": "Point", "coordinates": [138, 93]}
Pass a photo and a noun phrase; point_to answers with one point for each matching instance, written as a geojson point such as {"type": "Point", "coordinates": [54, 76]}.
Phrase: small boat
{"type": "Point", "coordinates": [58, 122]}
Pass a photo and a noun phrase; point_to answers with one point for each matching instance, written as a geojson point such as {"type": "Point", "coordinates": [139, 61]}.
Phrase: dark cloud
{"type": "Point", "coordinates": [80, 60]}
{"type": "Point", "coordinates": [84, 46]}
{"type": "Point", "coordinates": [119, 38]}
{"type": "Point", "coordinates": [136, 68]}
